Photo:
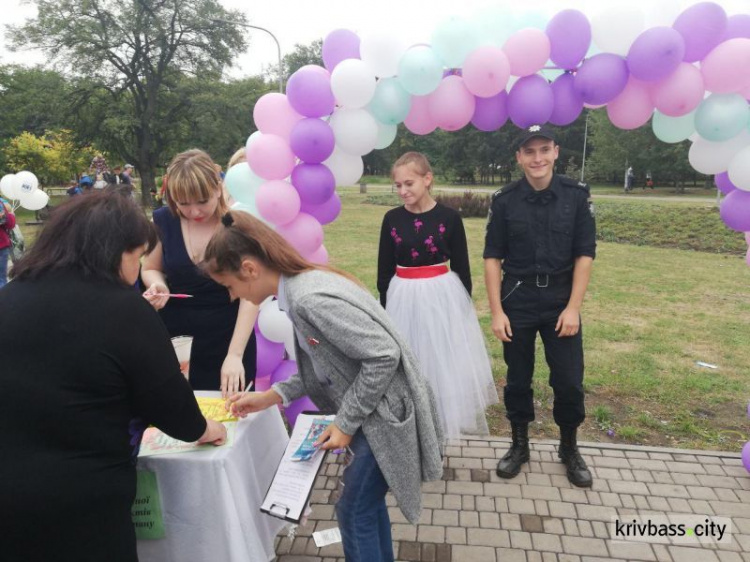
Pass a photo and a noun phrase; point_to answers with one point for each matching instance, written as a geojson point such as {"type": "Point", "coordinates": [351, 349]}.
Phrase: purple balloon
{"type": "Point", "coordinates": [601, 78]}
{"type": "Point", "coordinates": [491, 113]}
{"type": "Point", "coordinates": [738, 27]}
{"type": "Point", "coordinates": [298, 406]}
{"type": "Point", "coordinates": [340, 45]}
{"type": "Point", "coordinates": [702, 26]}
{"type": "Point", "coordinates": [312, 140]}
{"type": "Point", "coordinates": [286, 369]}
{"type": "Point", "coordinates": [309, 92]}
{"type": "Point", "coordinates": [735, 210]}
{"type": "Point", "coordinates": [269, 354]}
{"type": "Point", "coordinates": [530, 101]}
{"type": "Point", "coordinates": [315, 183]}
{"type": "Point", "coordinates": [568, 102]}
{"type": "Point", "coordinates": [656, 53]}
{"type": "Point", "coordinates": [569, 35]}
{"type": "Point", "coordinates": [326, 212]}
{"type": "Point", "coordinates": [723, 183]}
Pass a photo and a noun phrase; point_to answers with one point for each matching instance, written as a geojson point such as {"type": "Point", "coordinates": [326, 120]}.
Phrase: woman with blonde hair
{"type": "Point", "coordinates": [351, 361]}
{"type": "Point", "coordinates": [223, 352]}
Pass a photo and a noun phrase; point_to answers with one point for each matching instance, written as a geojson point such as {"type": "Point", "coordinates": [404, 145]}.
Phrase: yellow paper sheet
{"type": "Point", "coordinates": [214, 409]}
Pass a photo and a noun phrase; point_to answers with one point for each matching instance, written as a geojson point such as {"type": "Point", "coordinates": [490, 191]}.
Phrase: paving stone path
{"type": "Point", "coordinates": [471, 515]}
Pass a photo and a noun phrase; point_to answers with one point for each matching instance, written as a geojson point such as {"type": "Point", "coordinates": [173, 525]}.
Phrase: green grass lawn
{"type": "Point", "coordinates": [650, 314]}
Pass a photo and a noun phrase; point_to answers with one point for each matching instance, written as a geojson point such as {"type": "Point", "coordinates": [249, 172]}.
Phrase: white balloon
{"type": "Point", "coordinates": [356, 130]}
{"type": "Point", "coordinates": [353, 83]}
{"type": "Point", "coordinates": [289, 347]}
{"type": "Point", "coordinates": [346, 168]}
{"type": "Point", "coordinates": [614, 29]}
{"type": "Point", "coordinates": [7, 186]}
{"type": "Point", "coordinates": [25, 183]}
{"type": "Point", "coordinates": [714, 157]}
{"type": "Point", "coordinates": [386, 135]}
{"type": "Point", "coordinates": [382, 52]}
{"type": "Point", "coordinates": [739, 169]}
{"type": "Point", "coordinates": [273, 323]}
{"type": "Point", "coordinates": [35, 200]}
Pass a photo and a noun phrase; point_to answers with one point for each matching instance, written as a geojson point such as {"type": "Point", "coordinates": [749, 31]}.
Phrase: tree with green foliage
{"type": "Point", "coordinates": [301, 55]}
{"type": "Point", "coordinates": [130, 57]}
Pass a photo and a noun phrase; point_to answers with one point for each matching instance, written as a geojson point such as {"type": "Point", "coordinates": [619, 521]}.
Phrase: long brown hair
{"type": "Point", "coordinates": [193, 176]}
{"type": "Point", "coordinates": [245, 236]}
{"type": "Point", "coordinates": [88, 233]}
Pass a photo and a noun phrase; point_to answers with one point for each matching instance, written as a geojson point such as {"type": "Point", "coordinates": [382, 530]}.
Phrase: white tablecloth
{"type": "Point", "coordinates": [211, 499]}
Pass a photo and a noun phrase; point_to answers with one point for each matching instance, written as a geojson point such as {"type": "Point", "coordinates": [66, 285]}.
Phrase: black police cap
{"type": "Point", "coordinates": [532, 132]}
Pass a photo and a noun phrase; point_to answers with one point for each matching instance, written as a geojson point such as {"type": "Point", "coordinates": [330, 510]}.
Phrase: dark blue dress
{"type": "Point", "coordinates": [209, 316]}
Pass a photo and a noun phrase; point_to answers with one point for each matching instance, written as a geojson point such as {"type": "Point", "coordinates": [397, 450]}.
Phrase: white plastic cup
{"type": "Point", "coordinates": [182, 347]}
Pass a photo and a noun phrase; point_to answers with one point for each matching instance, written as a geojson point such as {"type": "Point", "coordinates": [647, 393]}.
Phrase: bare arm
{"type": "Point", "coordinates": [232, 370]}
{"type": "Point", "coordinates": [153, 278]}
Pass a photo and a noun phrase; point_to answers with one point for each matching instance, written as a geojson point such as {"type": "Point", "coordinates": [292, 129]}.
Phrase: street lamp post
{"type": "Point", "coordinates": [278, 46]}
{"type": "Point", "coordinates": [585, 138]}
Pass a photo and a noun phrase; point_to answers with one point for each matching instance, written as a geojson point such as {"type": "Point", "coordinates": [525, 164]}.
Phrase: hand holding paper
{"type": "Point", "coordinates": [333, 438]}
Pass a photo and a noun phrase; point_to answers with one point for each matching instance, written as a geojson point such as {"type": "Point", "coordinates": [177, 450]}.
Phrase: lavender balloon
{"type": "Point", "coordinates": [702, 26]}
{"type": "Point", "coordinates": [340, 45]}
{"type": "Point", "coordinates": [601, 78]}
{"type": "Point", "coordinates": [326, 212]}
{"type": "Point", "coordinates": [568, 102]}
{"type": "Point", "coordinates": [286, 369]}
{"type": "Point", "coordinates": [746, 456]}
{"type": "Point", "coordinates": [738, 26]}
{"type": "Point", "coordinates": [491, 113]}
{"type": "Point", "coordinates": [298, 406]}
{"type": "Point", "coordinates": [269, 354]}
{"type": "Point", "coordinates": [530, 101]}
{"type": "Point", "coordinates": [656, 53]}
{"type": "Point", "coordinates": [723, 183]}
{"type": "Point", "coordinates": [314, 182]}
{"type": "Point", "coordinates": [569, 34]}
{"type": "Point", "coordinates": [735, 210]}
{"type": "Point", "coordinates": [312, 140]}
{"type": "Point", "coordinates": [309, 92]}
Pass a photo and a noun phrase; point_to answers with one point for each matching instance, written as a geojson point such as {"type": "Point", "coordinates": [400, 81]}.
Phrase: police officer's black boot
{"type": "Point", "coordinates": [577, 471]}
{"type": "Point", "coordinates": [510, 465]}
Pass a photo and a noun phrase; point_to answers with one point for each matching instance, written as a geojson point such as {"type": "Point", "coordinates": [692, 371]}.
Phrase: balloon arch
{"type": "Point", "coordinates": [692, 79]}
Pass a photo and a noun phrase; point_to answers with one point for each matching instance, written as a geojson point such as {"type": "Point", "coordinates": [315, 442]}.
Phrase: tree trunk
{"type": "Point", "coordinates": [148, 182]}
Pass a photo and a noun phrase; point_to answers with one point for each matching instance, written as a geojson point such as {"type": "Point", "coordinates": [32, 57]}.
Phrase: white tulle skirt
{"type": "Point", "coordinates": [437, 318]}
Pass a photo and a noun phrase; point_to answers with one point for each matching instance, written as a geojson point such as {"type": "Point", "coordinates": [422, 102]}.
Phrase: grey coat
{"type": "Point", "coordinates": [375, 382]}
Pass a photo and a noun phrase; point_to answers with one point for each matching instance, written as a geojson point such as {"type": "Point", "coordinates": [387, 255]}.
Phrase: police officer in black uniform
{"type": "Point", "coordinates": [539, 250]}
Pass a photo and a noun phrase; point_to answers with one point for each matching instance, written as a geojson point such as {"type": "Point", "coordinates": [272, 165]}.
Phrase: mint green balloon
{"type": "Point", "coordinates": [721, 117]}
{"type": "Point", "coordinates": [391, 103]}
{"type": "Point", "coordinates": [420, 70]}
{"type": "Point", "coordinates": [673, 129]}
{"type": "Point", "coordinates": [453, 40]}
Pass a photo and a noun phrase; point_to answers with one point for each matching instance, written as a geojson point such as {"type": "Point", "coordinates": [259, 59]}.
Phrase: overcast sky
{"type": "Point", "coordinates": [303, 21]}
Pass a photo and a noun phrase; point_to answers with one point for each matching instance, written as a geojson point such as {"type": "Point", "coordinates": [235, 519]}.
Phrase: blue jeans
{"type": "Point", "coordinates": [361, 510]}
{"type": "Point", "coordinates": [4, 253]}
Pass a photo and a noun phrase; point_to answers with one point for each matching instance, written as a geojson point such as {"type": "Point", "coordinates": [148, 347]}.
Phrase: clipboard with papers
{"type": "Point", "coordinates": [292, 485]}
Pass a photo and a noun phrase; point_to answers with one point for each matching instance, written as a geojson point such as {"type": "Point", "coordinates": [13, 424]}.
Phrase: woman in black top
{"type": "Point", "coordinates": [86, 366]}
{"type": "Point", "coordinates": [430, 304]}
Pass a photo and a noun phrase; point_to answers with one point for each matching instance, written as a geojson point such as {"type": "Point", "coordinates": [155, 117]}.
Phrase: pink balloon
{"type": "Point", "coordinates": [319, 256]}
{"type": "Point", "coordinates": [747, 238]}
{"type": "Point", "coordinates": [270, 157]}
{"type": "Point", "coordinates": [747, 261]}
{"type": "Point", "coordinates": [527, 50]}
{"type": "Point", "coordinates": [681, 92]}
{"type": "Point", "coordinates": [486, 71]}
{"type": "Point", "coordinates": [420, 121]}
{"type": "Point", "coordinates": [304, 233]}
{"type": "Point", "coordinates": [262, 383]}
{"type": "Point", "coordinates": [269, 355]}
{"type": "Point", "coordinates": [568, 102]}
{"type": "Point", "coordinates": [530, 101]}
{"type": "Point", "coordinates": [298, 406]}
{"type": "Point", "coordinates": [325, 213]}
{"type": "Point", "coordinates": [451, 105]}
{"type": "Point", "coordinates": [274, 115]}
{"type": "Point", "coordinates": [278, 202]}
{"type": "Point", "coordinates": [633, 107]}
{"type": "Point", "coordinates": [720, 67]}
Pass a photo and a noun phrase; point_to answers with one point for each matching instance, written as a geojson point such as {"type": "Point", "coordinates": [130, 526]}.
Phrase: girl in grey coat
{"type": "Point", "coordinates": [352, 361]}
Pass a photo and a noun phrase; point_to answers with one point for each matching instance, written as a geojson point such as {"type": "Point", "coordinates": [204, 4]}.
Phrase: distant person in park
{"type": "Point", "coordinates": [352, 361]}
{"type": "Point", "coordinates": [86, 366]}
{"type": "Point", "coordinates": [649, 181]}
{"type": "Point", "coordinates": [7, 223]}
{"type": "Point", "coordinates": [539, 249]}
{"type": "Point", "coordinates": [430, 303]}
{"type": "Point", "coordinates": [629, 178]}
{"type": "Point", "coordinates": [224, 350]}
{"type": "Point", "coordinates": [126, 175]}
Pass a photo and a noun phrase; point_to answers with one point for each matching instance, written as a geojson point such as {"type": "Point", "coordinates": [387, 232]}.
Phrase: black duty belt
{"type": "Point", "coordinates": [543, 280]}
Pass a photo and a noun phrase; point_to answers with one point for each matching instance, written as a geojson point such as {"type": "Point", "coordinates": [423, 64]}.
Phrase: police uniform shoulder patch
{"type": "Point", "coordinates": [506, 189]}
{"type": "Point", "coordinates": [570, 182]}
